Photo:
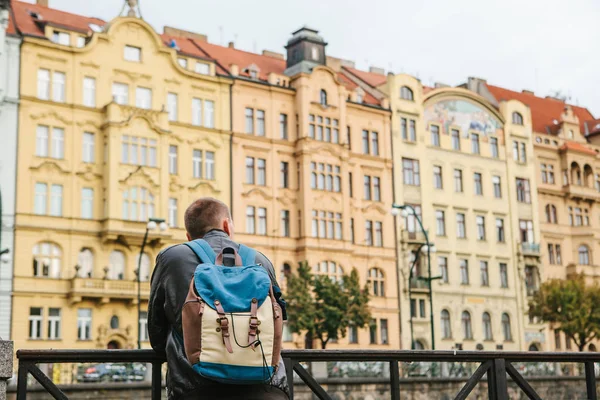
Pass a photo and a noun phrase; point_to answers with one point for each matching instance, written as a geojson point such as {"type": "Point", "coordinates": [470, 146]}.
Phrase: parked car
{"type": "Point", "coordinates": [104, 373]}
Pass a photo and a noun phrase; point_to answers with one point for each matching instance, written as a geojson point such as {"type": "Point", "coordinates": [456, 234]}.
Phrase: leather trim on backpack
{"type": "Point", "coordinates": [191, 316]}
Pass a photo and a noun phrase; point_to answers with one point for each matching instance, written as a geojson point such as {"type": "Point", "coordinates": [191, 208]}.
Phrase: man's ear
{"type": "Point", "coordinates": [228, 227]}
{"type": "Point", "coordinates": [189, 238]}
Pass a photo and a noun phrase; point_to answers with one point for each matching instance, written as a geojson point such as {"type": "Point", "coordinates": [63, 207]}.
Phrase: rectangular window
{"type": "Point", "coordinates": [460, 226]}
{"type": "Point", "coordinates": [261, 166]}
{"type": "Point", "coordinates": [435, 135]}
{"type": "Point", "coordinates": [40, 201]}
{"type": "Point", "coordinates": [557, 341]}
{"type": "Point", "coordinates": [526, 231]}
{"type": "Point", "coordinates": [249, 120]}
{"type": "Point", "coordinates": [411, 221]}
{"type": "Point", "coordinates": [173, 160]}
{"type": "Point", "coordinates": [87, 203]}
{"type": "Point", "coordinates": [373, 332]}
{"type": "Point", "coordinates": [43, 88]}
{"type": "Point", "coordinates": [338, 226]}
{"type": "Point", "coordinates": [283, 126]}
{"type": "Point", "coordinates": [558, 254]}
{"type": "Point", "coordinates": [89, 91]}
{"type": "Point", "coordinates": [480, 220]}
{"type": "Point", "coordinates": [120, 93]}
{"type": "Point", "coordinates": [437, 177]}
{"type": "Point", "coordinates": [54, 323]}
{"type": "Point", "coordinates": [515, 150]}
{"type": "Point", "coordinates": [383, 324]}
{"type": "Point", "coordinates": [352, 334]}
{"type": "Point", "coordinates": [367, 187]}
{"type": "Point", "coordinates": [80, 41]}
{"type": "Point", "coordinates": [143, 326]}
{"type": "Point", "coordinates": [455, 139]}
{"type": "Point", "coordinates": [350, 186]}
{"type": "Point", "coordinates": [196, 112]}
{"type": "Point", "coordinates": [61, 38]}
{"type": "Point", "coordinates": [551, 176]}
{"type": "Point", "coordinates": [202, 68]}
{"type": "Point", "coordinates": [250, 220]}
{"type": "Point", "coordinates": [35, 322]}
{"type": "Point", "coordinates": [375, 143]}
{"type": "Point", "coordinates": [500, 230]}
{"type": "Point", "coordinates": [250, 170]}
{"type": "Point", "coordinates": [41, 141]}
{"type": "Point", "coordinates": [522, 153]}
{"type": "Point", "coordinates": [440, 220]}
{"type": "Point", "coordinates": [376, 188]}
{"type": "Point", "coordinates": [84, 324]}
{"type": "Point", "coordinates": [197, 163]}
{"type": "Point", "coordinates": [503, 275]}
{"type": "Point", "coordinates": [132, 53]}
{"type": "Point", "coordinates": [411, 172]}
{"type": "Point", "coordinates": [497, 187]}
{"type": "Point", "coordinates": [458, 183]}
{"type": "Point", "coordinates": [551, 258]}
{"type": "Point", "coordinates": [485, 279]}
{"type": "Point", "coordinates": [172, 212]}
{"type": "Point", "coordinates": [378, 234]}
{"type": "Point", "coordinates": [404, 128]}
{"type": "Point", "coordinates": [494, 147]}
{"type": "Point", "coordinates": [443, 266]}
{"type": "Point", "coordinates": [285, 223]}
{"type": "Point", "coordinates": [260, 123]}
{"type": "Point", "coordinates": [89, 148]}
{"type": "Point", "coordinates": [369, 233]}
{"type": "Point", "coordinates": [262, 221]}
{"type": "Point", "coordinates": [284, 174]}
{"type": "Point", "coordinates": [209, 165]}
{"type": "Point", "coordinates": [143, 98]}
{"type": "Point", "coordinates": [413, 308]}
{"type": "Point", "coordinates": [475, 143]}
{"type": "Point", "coordinates": [183, 62]}
{"type": "Point", "coordinates": [422, 312]}
{"type": "Point", "coordinates": [478, 186]}
{"type": "Point", "coordinates": [352, 237]}
{"type": "Point", "coordinates": [209, 113]}
{"type": "Point", "coordinates": [412, 130]}
{"type": "Point", "coordinates": [58, 86]}
{"type": "Point", "coordinates": [58, 143]}
{"type": "Point", "coordinates": [56, 196]}
{"type": "Point", "coordinates": [172, 100]}
{"type": "Point", "coordinates": [365, 142]}
{"type": "Point", "coordinates": [464, 271]}
{"type": "Point", "coordinates": [523, 191]}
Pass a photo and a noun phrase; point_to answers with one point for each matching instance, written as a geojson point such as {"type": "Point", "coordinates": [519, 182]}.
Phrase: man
{"type": "Point", "coordinates": [209, 219]}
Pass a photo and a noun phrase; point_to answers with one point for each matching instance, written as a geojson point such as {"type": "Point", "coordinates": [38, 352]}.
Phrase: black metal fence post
{"type": "Point", "coordinates": [395, 380]}
{"type": "Point", "coordinates": [289, 371]}
{"type": "Point", "coordinates": [22, 380]}
{"type": "Point", "coordinates": [497, 382]}
{"type": "Point", "coordinates": [156, 380]}
{"type": "Point", "coordinates": [590, 381]}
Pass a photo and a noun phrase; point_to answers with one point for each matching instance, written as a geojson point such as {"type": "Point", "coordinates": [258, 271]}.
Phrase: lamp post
{"type": "Point", "coordinates": [406, 210]}
{"type": "Point", "coordinates": [152, 224]}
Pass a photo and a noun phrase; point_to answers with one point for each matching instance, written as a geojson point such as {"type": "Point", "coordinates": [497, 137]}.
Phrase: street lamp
{"type": "Point", "coordinates": [152, 224]}
{"type": "Point", "coordinates": [427, 247]}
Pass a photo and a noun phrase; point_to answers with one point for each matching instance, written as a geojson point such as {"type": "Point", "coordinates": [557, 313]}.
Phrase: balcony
{"type": "Point", "coordinates": [419, 284]}
{"type": "Point", "coordinates": [413, 237]}
{"type": "Point", "coordinates": [532, 290]}
{"type": "Point", "coordinates": [577, 192]}
{"type": "Point", "coordinates": [396, 374]}
{"type": "Point", "coordinates": [530, 249]}
{"type": "Point", "coordinates": [107, 290]}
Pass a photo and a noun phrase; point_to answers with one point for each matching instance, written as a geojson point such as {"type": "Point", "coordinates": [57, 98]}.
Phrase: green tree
{"type": "Point", "coordinates": [572, 306]}
{"type": "Point", "coordinates": [323, 309]}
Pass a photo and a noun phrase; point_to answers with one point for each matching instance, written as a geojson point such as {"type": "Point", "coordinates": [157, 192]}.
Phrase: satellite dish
{"type": "Point", "coordinates": [95, 28]}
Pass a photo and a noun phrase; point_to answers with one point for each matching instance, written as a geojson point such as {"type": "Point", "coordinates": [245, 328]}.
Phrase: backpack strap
{"type": "Point", "coordinates": [247, 254]}
{"type": "Point", "coordinates": [203, 250]}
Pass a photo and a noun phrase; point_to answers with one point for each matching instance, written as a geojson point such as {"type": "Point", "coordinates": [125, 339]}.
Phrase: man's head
{"type": "Point", "coordinates": [206, 214]}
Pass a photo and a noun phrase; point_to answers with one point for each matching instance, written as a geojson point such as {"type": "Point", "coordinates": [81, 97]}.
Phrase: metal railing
{"type": "Point", "coordinates": [494, 365]}
{"type": "Point", "coordinates": [530, 248]}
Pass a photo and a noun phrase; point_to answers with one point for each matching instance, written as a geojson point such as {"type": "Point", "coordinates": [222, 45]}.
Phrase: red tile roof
{"type": "Point", "coordinates": [593, 127]}
{"type": "Point", "coordinates": [28, 25]}
{"type": "Point", "coordinates": [351, 86]}
{"type": "Point", "coordinates": [577, 147]}
{"type": "Point", "coordinates": [543, 110]}
{"type": "Point", "coordinates": [371, 78]}
{"type": "Point", "coordinates": [188, 47]}
{"type": "Point", "coordinates": [226, 56]}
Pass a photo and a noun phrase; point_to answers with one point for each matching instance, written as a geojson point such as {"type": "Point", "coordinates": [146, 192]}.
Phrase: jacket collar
{"type": "Point", "coordinates": [215, 233]}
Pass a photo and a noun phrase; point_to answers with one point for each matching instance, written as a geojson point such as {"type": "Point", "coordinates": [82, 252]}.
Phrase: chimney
{"type": "Point", "coordinates": [231, 45]}
{"type": "Point", "coordinates": [42, 3]}
{"type": "Point", "coordinates": [377, 70]}
{"type": "Point", "coordinates": [530, 92]}
{"type": "Point", "coordinates": [273, 54]}
{"type": "Point", "coordinates": [169, 30]}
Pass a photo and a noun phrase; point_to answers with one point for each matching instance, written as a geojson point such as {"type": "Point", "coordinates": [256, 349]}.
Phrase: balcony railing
{"type": "Point", "coordinates": [416, 283]}
{"type": "Point", "coordinates": [581, 192]}
{"type": "Point", "coordinates": [530, 249]}
{"type": "Point", "coordinates": [413, 237]}
{"type": "Point", "coordinates": [494, 365]}
{"type": "Point", "coordinates": [107, 288]}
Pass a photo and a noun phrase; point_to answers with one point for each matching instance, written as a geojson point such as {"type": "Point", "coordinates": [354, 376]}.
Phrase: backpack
{"type": "Point", "coordinates": [232, 324]}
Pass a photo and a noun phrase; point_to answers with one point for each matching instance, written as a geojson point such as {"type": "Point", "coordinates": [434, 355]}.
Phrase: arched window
{"type": "Point", "coordinates": [592, 347]}
{"type": "Point", "coordinates": [418, 345]}
{"type": "Point", "coordinates": [323, 97]}
{"type": "Point", "coordinates": [331, 269]}
{"type": "Point", "coordinates": [446, 327]}
{"type": "Point", "coordinates": [47, 260]}
{"type": "Point", "coordinates": [588, 176]}
{"type": "Point", "coordinates": [406, 93]}
{"type": "Point", "coordinates": [487, 326]}
{"type": "Point", "coordinates": [576, 173]}
{"type": "Point", "coordinates": [284, 272]}
{"type": "Point", "coordinates": [138, 204]}
{"type": "Point", "coordinates": [506, 327]}
{"type": "Point", "coordinates": [551, 216]}
{"type": "Point", "coordinates": [114, 322]}
{"type": "Point", "coordinates": [376, 282]}
{"type": "Point", "coordinates": [534, 347]}
{"type": "Point", "coordinates": [517, 118]}
{"type": "Point", "coordinates": [466, 325]}
{"type": "Point", "coordinates": [584, 255]}
{"type": "Point", "coordinates": [144, 267]}
{"type": "Point", "coordinates": [116, 269]}
{"type": "Point", "coordinates": [85, 260]}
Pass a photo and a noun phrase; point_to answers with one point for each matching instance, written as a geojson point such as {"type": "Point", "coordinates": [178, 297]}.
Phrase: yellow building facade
{"type": "Point", "coordinates": [115, 128]}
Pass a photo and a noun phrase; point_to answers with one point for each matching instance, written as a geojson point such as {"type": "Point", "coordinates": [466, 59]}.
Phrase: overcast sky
{"type": "Point", "coordinates": [541, 45]}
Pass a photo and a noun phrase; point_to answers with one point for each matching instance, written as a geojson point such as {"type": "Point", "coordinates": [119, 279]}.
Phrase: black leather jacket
{"type": "Point", "coordinates": [175, 267]}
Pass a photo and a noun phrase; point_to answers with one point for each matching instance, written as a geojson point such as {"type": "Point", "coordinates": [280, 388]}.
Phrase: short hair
{"type": "Point", "coordinates": [204, 215]}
